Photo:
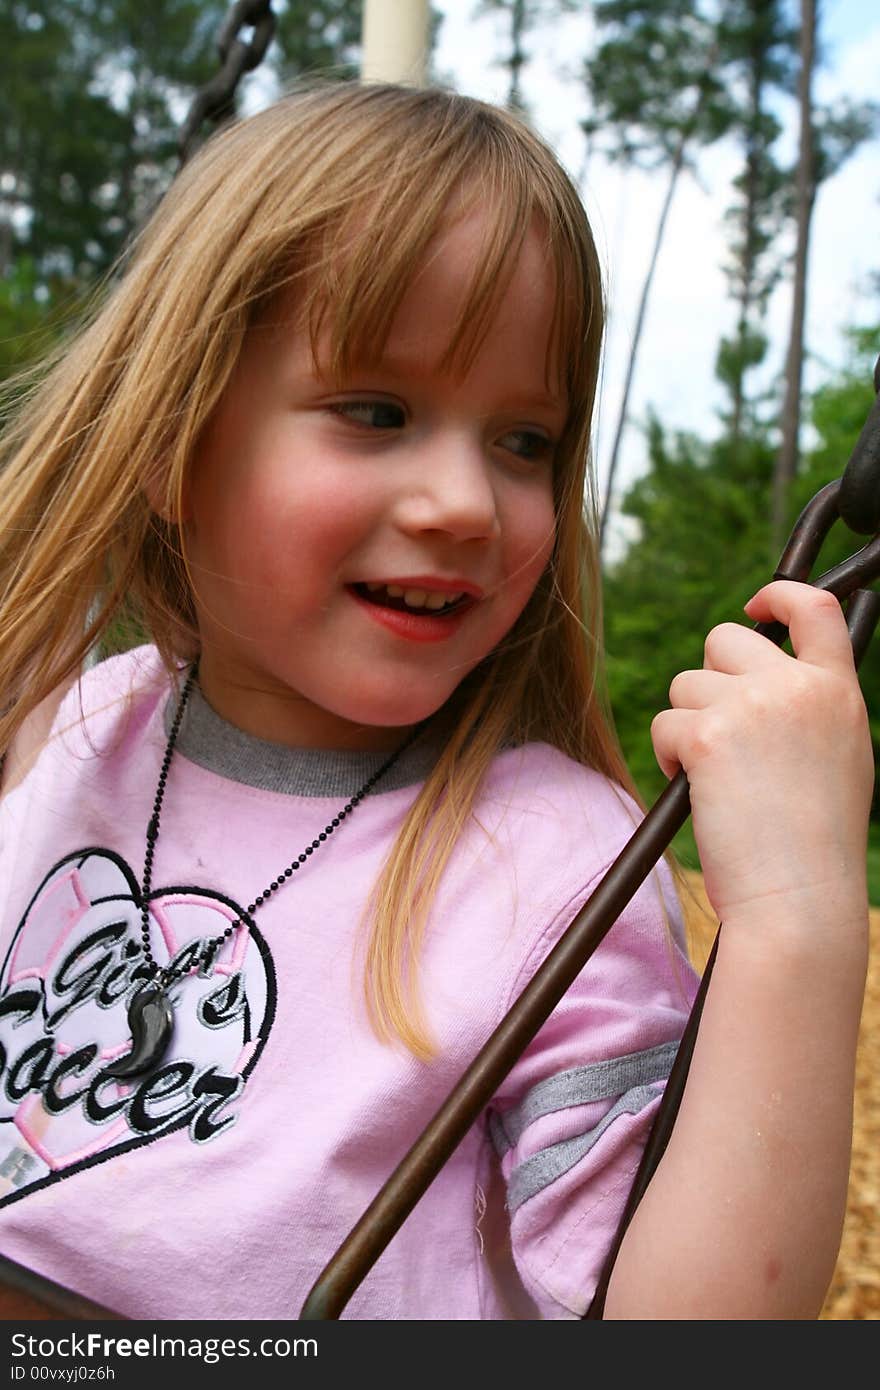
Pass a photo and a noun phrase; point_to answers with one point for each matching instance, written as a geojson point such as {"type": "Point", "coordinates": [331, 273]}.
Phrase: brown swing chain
{"type": "Point", "coordinates": [238, 55]}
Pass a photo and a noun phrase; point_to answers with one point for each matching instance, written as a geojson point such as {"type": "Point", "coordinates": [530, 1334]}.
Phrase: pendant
{"type": "Point", "coordinates": [151, 1021]}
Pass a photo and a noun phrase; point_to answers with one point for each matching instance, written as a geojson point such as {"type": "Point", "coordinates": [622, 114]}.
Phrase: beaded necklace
{"type": "Point", "coordinates": [150, 1011]}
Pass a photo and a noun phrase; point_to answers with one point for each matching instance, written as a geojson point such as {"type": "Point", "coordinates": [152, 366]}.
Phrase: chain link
{"type": "Point", "coordinates": [237, 56]}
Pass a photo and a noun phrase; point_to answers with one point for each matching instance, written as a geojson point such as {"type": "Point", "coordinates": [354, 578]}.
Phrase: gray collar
{"type": "Point", "coordinates": [208, 740]}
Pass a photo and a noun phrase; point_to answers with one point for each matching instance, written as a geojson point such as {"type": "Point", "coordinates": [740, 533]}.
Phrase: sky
{"type": "Point", "coordinates": [689, 307]}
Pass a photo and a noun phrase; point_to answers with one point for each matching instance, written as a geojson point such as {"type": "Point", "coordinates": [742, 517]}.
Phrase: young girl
{"type": "Point", "coordinates": [272, 878]}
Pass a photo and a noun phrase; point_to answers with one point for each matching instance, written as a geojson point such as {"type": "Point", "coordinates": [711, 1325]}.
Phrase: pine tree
{"type": "Point", "coordinates": [92, 96]}
{"type": "Point", "coordinates": [827, 137]}
{"type": "Point", "coordinates": [757, 43]}
{"type": "Point", "coordinates": [655, 96]}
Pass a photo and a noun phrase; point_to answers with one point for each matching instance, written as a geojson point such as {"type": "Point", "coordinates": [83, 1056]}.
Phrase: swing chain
{"type": "Point", "coordinates": [238, 55]}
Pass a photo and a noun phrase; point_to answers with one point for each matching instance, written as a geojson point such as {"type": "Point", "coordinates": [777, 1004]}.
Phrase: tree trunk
{"type": "Point", "coordinates": [676, 168]}
{"type": "Point", "coordinates": [787, 460]}
{"type": "Point", "coordinates": [517, 55]}
{"type": "Point", "coordinates": [749, 246]}
{"type": "Point", "coordinates": [6, 243]}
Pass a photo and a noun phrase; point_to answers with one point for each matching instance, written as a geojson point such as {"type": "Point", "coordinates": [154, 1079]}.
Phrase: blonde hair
{"type": "Point", "coordinates": [338, 189]}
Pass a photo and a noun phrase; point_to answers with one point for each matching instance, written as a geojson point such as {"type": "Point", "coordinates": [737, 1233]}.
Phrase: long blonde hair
{"type": "Point", "coordinates": [339, 190]}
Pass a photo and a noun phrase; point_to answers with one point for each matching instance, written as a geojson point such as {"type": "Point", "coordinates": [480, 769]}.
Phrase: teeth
{"type": "Point", "coordinates": [416, 598]}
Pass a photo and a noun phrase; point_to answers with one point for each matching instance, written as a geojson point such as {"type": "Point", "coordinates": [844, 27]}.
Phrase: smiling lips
{"type": "Point", "coordinates": [411, 611]}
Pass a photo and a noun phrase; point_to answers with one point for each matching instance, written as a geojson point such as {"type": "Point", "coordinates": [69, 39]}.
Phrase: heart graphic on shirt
{"type": "Point", "coordinates": [73, 966]}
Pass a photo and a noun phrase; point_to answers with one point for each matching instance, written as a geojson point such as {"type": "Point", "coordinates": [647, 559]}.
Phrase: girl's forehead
{"type": "Point", "coordinates": [466, 284]}
{"type": "Point", "coordinates": [514, 314]}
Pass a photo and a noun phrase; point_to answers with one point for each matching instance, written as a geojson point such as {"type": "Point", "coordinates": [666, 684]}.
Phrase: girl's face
{"type": "Point", "coordinates": [329, 526]}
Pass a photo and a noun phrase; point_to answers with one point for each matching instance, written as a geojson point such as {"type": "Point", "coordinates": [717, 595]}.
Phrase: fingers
{"type": "Point", "coordinates": [671, 732]}
{"type": "Point", "coordinates": [816, 624]}
{"type": "Point", "coordinates": [735, 649]}
{"type": "Point", "coordinates": [697, 689]}
{"type": "Point", "coordinates": [814, 619]}
{"type": "Point", "coordinates": [675, 732]}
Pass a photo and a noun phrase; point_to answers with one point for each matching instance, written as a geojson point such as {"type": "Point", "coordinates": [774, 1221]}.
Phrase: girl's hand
{"type": "Point", "coordinates": [778, 756]}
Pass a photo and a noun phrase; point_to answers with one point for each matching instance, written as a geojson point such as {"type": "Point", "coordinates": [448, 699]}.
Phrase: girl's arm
{"type": "Point", "coordinates": [743, 1217]}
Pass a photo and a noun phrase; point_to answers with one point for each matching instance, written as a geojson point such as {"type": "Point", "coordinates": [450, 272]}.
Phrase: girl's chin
{"type": "Point", "coordinates": [389, 720]}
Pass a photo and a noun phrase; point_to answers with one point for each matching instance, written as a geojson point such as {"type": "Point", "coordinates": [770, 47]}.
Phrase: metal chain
{"type": "Point", "coordinates": [237, 56]}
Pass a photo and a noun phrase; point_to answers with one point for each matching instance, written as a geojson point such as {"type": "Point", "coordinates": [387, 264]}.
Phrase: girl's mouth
{"type": "Point", "coordinates": [416, 602]}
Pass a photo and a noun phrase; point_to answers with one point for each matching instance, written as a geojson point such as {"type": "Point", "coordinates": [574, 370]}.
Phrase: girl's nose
{"type": "Point", "coordinates": [449, 489]}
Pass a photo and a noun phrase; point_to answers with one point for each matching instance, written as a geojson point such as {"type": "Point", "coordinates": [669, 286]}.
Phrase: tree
{"type": "Point", "coordinates": [92, 97]}
{"type": "Point", "coordinates": [322, 36]}
{"type": "Point", "coordinates": [700, 553]}
{"type": "Point", "coordinates": [837, 411]}
{"type": "Point", "coordinates": [524, 15]}
{"type": "Point", "coordinates": [757, 42]}
{"type": "Point", "coordinates": [701, 549]}
{"type": "Point", "coordinates": [804, 197]}
{"type": "Point", "coordinates": [55, 208]}
{"type": "Point", "coordinates": [827, 138]}
{"type": "Point", "coordinates": [90, 115]}
{"type": "Point", "coordinates": [655, 93]}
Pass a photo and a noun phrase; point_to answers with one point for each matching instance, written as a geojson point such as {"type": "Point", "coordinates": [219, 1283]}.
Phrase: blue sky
{"type": "Point", "coordinates": [846, 20]}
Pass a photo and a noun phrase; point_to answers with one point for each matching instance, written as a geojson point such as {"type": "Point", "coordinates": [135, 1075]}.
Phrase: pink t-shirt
{"type": "Point", "coordinates": [220, 1184]}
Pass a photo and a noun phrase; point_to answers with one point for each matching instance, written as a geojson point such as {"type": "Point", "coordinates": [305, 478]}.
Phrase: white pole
{"type": "Point", "coordinates": [395, 41]}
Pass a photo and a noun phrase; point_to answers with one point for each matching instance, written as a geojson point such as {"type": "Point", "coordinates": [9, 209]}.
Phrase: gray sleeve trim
{"type": "Point", "coordinates": [543, 1168]}
{"type": "Point", "coordinates": [581, 1086]}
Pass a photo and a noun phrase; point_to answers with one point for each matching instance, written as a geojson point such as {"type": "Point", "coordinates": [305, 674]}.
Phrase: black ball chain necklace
{"type": "Point", "coordinates": [150, 1011]}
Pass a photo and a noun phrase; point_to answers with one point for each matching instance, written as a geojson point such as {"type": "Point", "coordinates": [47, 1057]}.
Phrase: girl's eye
{"type": "Point", "coordinates": [528, 445]}
{"type": "Point", "coordinates": [375, 415]}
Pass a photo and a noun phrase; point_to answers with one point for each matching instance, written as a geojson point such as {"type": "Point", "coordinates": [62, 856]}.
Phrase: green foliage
{"type": "Point", "coordinates": [838, 131]}
{"type": "Point", "coordinates": [840, 406]}
{"type": "Point", "coordinates": [736, 355]}
{"type": "Point", "coordinates": [92, 97]}
{"type": "Point", "coordinates": [756, 216]}
{"type": "Point", "coordinates": [654, 80]}
{"type": "Point", "coordinates": [24, 333]}
{"type": "Point", "coordinates": [322, 36]}
{"type": "Point", "coordinates": [760, 32]}
{"type": "Point", "coordinates": [90, 118]}
{"type": "Point", "coordinates": [838, 412]}
{"type": "Point", "coordinates": [36, 312]}
{"type": "Point", "coordinates": [700, 555]}
{"type": "Point", "coordinates": [703, 511]}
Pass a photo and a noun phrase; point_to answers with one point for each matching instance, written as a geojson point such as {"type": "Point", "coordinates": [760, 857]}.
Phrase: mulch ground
{"type": "Point", "coordinates": [855, 1288]}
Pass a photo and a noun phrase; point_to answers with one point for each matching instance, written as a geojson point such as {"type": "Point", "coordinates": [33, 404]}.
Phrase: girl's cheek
{"type": "Point", "coordinates": [541, 540]}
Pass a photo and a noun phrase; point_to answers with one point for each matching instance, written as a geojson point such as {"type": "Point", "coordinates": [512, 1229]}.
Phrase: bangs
{"type": "Point", "coordinates": [360, 269]}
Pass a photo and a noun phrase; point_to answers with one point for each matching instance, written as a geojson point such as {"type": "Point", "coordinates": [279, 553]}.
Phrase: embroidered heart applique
{"type": "Point", "coordinates": [74, 963]}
